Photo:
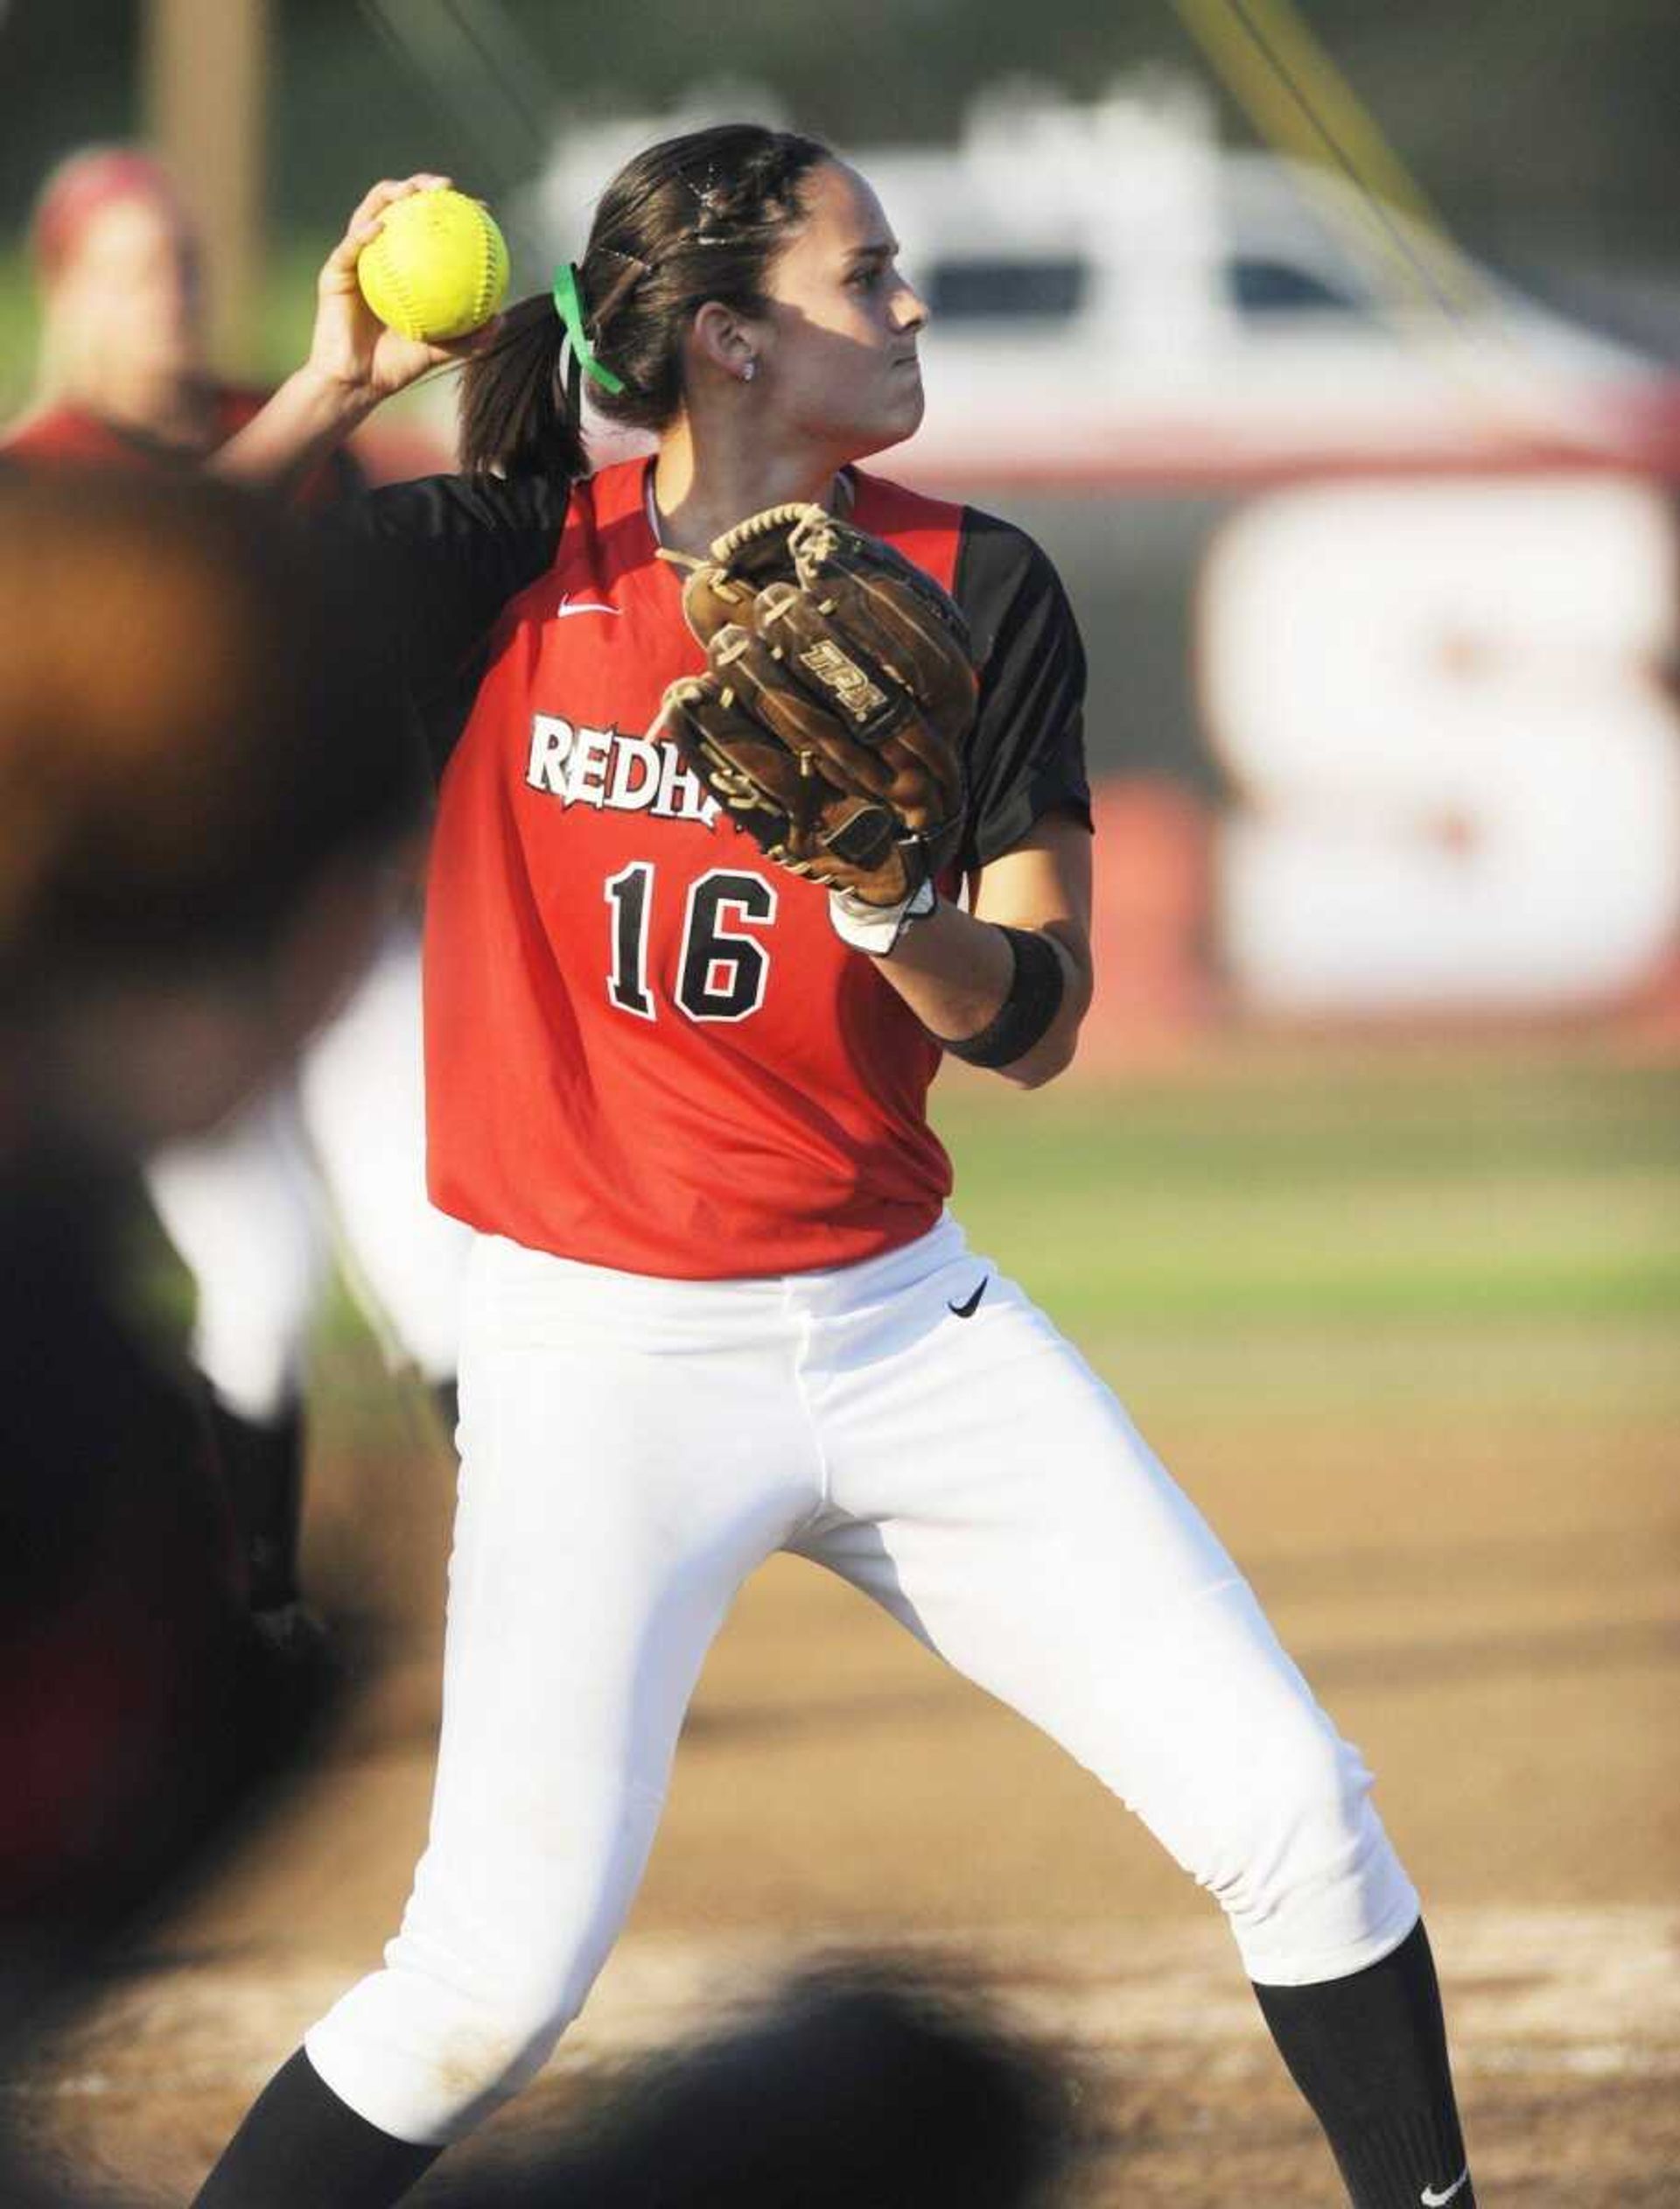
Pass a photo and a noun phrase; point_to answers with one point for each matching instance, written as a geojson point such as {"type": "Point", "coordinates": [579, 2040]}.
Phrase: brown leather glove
{"type": "Point", "coordinates": [838, 692]}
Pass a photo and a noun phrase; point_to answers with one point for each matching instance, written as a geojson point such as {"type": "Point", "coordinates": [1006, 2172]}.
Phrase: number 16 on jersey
{"type": "Point", "coordinates": [723, 970]}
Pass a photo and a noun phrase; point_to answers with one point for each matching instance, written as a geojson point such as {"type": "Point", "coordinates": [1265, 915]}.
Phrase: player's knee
{"type": "Point", "coordinates": [261, 1380]}
{"type": "Point", "coordinates": [250, 1341]}
{"type": "Point", "coordinates": [1312, 1888]}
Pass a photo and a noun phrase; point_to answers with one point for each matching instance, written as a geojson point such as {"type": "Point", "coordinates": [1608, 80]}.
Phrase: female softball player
{"type": "Point", "coordinates": [716, 1306]}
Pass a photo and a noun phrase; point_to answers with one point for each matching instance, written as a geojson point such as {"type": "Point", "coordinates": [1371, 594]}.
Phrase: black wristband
{"type": "Point", "coordinates": [1031, 1003]}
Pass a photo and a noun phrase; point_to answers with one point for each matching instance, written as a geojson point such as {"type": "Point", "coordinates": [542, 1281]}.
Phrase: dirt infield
{"type": "Point", "coordinates": [1486, 1607]}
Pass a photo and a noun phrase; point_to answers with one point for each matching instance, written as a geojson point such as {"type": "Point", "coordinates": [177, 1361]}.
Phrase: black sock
{"type": "Point", "coordinates": [300, 2144]}
{"type": "Point", "coordinates": [1370, 2053]}
{"type": "Point", "coordinates": [262, 1464]}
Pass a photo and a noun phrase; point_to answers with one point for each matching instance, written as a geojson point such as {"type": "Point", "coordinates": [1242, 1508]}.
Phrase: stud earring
{"type": "Point", "coordinates": [749, 370]}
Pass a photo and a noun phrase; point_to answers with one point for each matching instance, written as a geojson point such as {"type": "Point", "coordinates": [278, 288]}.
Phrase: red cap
{"type": "Point", "coordinates": [84, 184]}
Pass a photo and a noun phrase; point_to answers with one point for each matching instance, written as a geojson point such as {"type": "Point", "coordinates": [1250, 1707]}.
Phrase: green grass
{"type": "Point", "coordinates": [19, 334]}
{"type": "Point", "coordinates": [1336, 1231]}
{"type": "Point", "coordinates": [1300, 1238]}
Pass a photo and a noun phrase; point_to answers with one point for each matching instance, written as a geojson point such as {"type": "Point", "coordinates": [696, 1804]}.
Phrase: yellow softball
{"type": "Point", "coordinates": [438, 267]}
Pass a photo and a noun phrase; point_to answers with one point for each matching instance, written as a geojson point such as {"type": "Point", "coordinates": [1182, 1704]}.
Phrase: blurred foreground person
{"type": "Point", "coordinates": [335, 1147]}
{"type": "Point", "coordinates": [200, 765]}
{"type": "Point", "coordinates": [199, 778]}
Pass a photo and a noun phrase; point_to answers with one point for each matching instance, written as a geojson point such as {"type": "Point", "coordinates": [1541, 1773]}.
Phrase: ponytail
{"type": "Point", "coordinates": [692, 219]}
{"type": "Point", "coordinates": [514, 416]}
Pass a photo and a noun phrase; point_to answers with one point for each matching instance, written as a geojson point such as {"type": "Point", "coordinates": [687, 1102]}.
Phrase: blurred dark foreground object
{"type": "Point", "coordinates": [858, 2086]}
{"type": "Point", "coordinates": [201, 775]}
{"type": "Point", "coordinates": [200, 769]}
{"type": "Point", "coordinates": [140, 1702]}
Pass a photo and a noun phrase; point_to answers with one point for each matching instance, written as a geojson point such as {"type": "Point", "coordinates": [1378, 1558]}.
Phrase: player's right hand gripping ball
{"type": "Point", "coordinates": [439, 267]}
{"type": "Point", "coordinates": [838, 691]}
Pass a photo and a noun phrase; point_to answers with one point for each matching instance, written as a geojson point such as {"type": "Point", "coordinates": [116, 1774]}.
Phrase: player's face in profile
{"type": "Point", "coordinates": [843, 322]}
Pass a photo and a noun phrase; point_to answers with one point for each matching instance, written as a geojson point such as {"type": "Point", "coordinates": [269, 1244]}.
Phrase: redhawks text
{"type": "Point", "coordinates": [604, 768]}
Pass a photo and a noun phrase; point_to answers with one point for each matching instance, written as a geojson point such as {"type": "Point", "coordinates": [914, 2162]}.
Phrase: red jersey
{"type": "Point", "coordinates": [646, 1047]}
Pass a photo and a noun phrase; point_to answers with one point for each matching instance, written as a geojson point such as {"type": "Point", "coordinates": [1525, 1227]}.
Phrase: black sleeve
{"type": "Point", "coordinates": [438, 559]}
{"type": "Point", "coordinates": [1026, 756]}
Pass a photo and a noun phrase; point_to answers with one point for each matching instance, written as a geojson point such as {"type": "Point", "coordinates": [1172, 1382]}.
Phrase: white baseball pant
{"type": "Point", "coordinates": [631, 1448]}
{"type": "Point", "coordinates": [336, 1150]}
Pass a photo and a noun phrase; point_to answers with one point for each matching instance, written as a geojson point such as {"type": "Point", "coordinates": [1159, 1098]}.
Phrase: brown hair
{"type": "Point", "coordinates": [693, 219]}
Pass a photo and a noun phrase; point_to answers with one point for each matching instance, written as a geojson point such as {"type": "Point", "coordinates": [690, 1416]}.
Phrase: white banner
{"type": "Point", "coordinates": [1446, 710]}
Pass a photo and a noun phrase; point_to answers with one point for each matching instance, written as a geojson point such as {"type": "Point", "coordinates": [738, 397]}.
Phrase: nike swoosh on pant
{"type": "Point", "coordinates": [1431, 2199]}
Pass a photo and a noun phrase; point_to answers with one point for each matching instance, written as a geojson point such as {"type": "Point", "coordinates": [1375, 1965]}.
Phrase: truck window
{"type": "Point", "coordinates": [1262, 286]}
{"type": "Point", "coordinates": [1014, 290]}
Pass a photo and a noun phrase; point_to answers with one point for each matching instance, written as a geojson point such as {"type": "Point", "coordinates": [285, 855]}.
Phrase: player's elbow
{"type": "Point", "coordinates": [1054, 1051]}
{"type": "Point", "coordinates": [1047, 1059]}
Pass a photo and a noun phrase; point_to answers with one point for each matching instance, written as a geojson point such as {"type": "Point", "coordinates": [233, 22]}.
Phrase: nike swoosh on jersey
{"type": "Point", "coordinates": [967, 1309]}
{"type": "Point", "coordinates": [1431, 2199]}
{"type": "Point", "coordinates": [585, 605]}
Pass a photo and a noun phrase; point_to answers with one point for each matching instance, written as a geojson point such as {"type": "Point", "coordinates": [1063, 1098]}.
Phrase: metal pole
{"type": "Point", "coordinates": [206, 96]}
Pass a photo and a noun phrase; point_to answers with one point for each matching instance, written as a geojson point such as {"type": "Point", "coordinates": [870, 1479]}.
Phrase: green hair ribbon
{"type": "Point", "coordinates": [569, 304]}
